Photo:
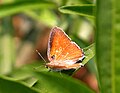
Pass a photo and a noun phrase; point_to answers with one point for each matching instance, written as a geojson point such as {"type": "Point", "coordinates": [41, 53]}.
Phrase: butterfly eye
{"type": "Point", "coordinates": [53, 57]}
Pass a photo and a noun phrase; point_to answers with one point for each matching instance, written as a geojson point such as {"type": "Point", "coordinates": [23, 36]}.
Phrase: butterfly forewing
{"type": "Point", "coordinates": [61, 48]}
{"type": "Point", "coordinates": [58, 41]}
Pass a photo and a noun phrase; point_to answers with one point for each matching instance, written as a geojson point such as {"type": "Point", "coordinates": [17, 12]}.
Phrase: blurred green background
{"type": "Point", "coordinates": [24, 28]}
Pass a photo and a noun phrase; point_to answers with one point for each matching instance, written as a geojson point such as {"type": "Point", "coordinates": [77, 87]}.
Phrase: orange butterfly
{"type": "Point", "coordinates": [63, 53]}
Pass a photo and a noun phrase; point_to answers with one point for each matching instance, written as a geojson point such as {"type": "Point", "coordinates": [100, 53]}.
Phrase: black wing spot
{"type": "Point", "coordinates": [53, 57]}
{"type": "Point", "coordinates": [80, 61]}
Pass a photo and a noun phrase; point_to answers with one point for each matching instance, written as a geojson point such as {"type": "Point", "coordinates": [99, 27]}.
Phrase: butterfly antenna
{"type": "Point", "coordinates": [35, 68]}
{"type": "Point", "coordinates": [41, 56]}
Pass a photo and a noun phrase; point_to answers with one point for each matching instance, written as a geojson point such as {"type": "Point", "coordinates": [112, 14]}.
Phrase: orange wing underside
{"type": "Point", "coordinates": [65, 67]}
{"type": "Point", "coordinates": [61, 48]}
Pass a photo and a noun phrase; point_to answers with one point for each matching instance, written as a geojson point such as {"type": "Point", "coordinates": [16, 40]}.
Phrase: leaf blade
{"type": "Point", "coordinates": [10, 86]}
{"type": "Point", "coordinates": [53, 80]}
{"type": "Point", "coordinates": [104, 46]}
{"type": "Point", "coordinates": [89, 53]}
{"type": "Point", "coordinates": [83, 10]}
{"type": "Point", "coordinates": [22, 5]}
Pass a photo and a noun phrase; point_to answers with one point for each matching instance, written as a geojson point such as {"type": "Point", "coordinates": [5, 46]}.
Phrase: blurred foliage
{"type": "Point", "coordinates": [25, 26]}
{"type": "Point", "coordinates": [22, 5]}
{"type": "Point", "coordinates": [107, 46]}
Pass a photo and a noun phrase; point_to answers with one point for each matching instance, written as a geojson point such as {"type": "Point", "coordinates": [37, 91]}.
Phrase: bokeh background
{"type": "Point", "coordinates": [24, 28]}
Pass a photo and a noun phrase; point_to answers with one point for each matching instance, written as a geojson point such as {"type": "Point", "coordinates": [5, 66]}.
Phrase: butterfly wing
{"type": "Point", "coordinates": [61, 48]}
{"type": "Point", "coordinates": [57, 43]}
{"type": "Point", "coordinates": [72, 53]}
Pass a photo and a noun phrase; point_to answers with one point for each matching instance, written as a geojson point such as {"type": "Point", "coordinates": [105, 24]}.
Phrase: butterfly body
{"type": "Point", "coordinates": [63, 66]}
{"type": "Point", "coordinates": [63, 53]}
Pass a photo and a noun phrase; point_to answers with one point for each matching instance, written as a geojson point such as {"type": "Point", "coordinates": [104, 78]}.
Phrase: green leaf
{"type": "Point", "coordinates": [83, 10]}
{"type": "Point", "coordinates": [107, 45]}
{"type": "Point", "coordinates": [11, 86]}
{"type": "Point", "coordinates": [89, 53]}
{"type": "Point", "coordinates": [57, 83]}
{"type": "Point", "coordinates": [23, 5]}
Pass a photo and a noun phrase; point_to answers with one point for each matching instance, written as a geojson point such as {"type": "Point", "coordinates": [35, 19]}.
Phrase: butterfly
{"type": "Point", "coordinates": [63, 53]}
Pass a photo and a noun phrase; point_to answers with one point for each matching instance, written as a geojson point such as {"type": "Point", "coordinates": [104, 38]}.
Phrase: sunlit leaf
{"type": "Point", "coordinates": [89, 53]}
